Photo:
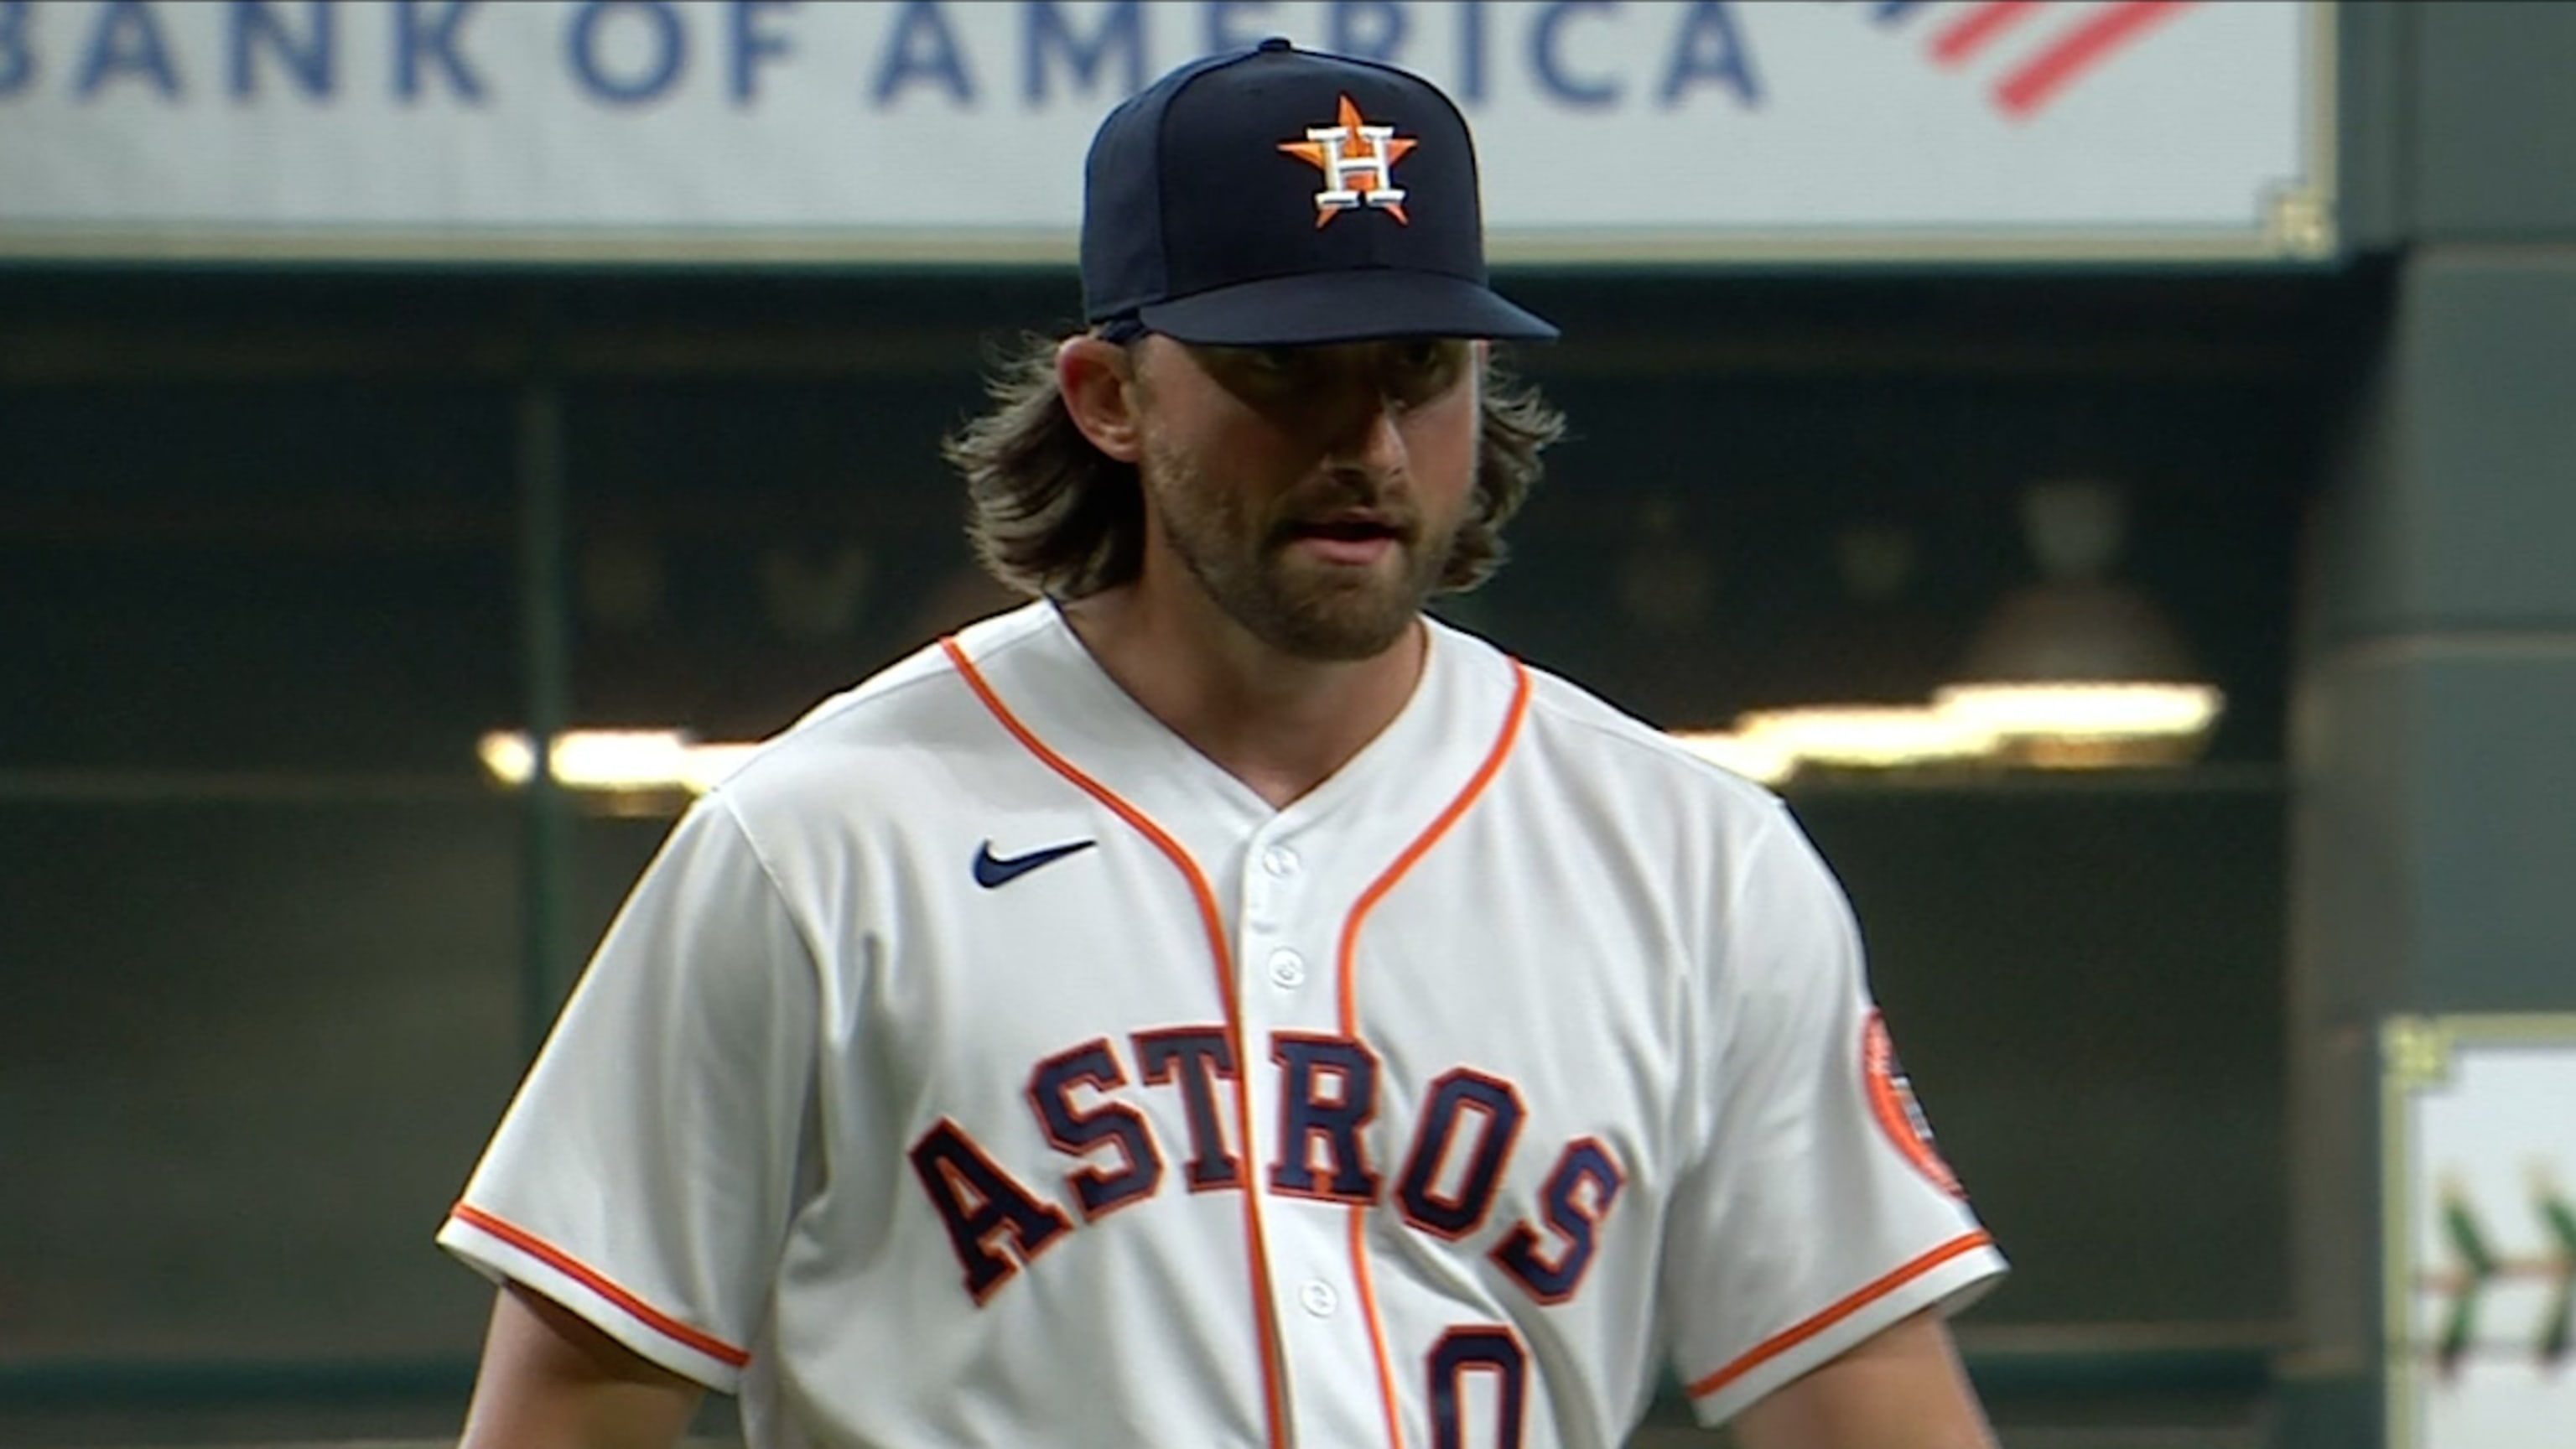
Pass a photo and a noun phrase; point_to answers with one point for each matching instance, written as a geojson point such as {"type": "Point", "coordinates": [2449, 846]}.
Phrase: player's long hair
{"type": "Point", "coordinates": [1051, 515]}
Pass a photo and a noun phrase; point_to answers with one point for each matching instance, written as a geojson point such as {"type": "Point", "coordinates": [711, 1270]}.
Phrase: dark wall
{"type": "Point", "coordinates": [2436, 666]}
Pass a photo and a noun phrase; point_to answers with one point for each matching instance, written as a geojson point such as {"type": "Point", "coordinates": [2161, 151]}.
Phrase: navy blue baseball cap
{"type": "Point", "coordinates": [1277, 197]}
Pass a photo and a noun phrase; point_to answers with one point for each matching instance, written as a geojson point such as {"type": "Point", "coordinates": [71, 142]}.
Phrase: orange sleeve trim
{"type": "Point", "coordinates": [1780, 1343]}
{"type": "Point", "coordinates": [597, 1282]}
{"type": "Point", "coordinates": [1265, 1317]}
{"type": "Point", "coordinates": [1350, 1014]}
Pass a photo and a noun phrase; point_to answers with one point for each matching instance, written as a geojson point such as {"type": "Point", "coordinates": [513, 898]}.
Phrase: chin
{"type": "Point", "coordinates": [1325, 615]}
{"type": "Point", "coordinates": [1338, 648]}
{"type": "Point", "coordinates": [1355, 630]}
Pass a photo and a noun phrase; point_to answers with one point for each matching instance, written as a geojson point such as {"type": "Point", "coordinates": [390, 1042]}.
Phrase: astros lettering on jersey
{"type": "Point", "coordinates": [980, 1065]}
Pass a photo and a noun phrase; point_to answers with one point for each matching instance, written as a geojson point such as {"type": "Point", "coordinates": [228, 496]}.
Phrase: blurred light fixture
{"type": "Point", "coordinates": [709, 764]}
{"type": "Point", "coordinates": [1765, 764]}
{"type": "Point", "coordinates": [2081, 670]}
{"type": "Point", "coordinates": [2084, 711]}
{"type": "Point", "coordinates": [1875, 737]}
{"type": "Point", "coordinates": [614, 761]}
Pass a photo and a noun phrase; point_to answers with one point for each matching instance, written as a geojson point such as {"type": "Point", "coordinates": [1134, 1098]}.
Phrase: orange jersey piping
{"type": "Point", "coordinates": [599, 1283]}
{"type": "Point", "coordinates": [1350, 1016]}
{"type": "Point", "coordinates": [1214, 922]}
{"type": "Point", "coordinates": [1781, 1342]}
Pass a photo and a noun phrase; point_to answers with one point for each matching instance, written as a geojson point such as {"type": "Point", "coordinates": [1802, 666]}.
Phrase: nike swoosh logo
{"type": "Point", "coordinates": [992, 870]}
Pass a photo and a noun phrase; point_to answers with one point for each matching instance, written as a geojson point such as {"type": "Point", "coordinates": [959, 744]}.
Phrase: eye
{"type": "Point", "coordinates": [1422, 354]}
{"type": "Point", "coordinates": [1423, 368]}
{"type": "Point", "coordinates": [1262, 372]}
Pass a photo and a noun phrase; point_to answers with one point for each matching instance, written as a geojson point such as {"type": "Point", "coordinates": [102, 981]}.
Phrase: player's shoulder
{"type": "Point", "coordinates": [1588, 734]}
{"type": "Point", "coordinates": [885, 732]}
{"type": "Point", "coordinates": [1604, 784]}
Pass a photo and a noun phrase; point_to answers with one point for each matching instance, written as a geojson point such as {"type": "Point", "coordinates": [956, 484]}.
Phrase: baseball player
{"type": "Point", "coordinates": [1215, 1004]}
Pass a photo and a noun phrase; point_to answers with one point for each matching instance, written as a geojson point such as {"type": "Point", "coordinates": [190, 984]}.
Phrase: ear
{"type": "Point", "coordinates": [1098, 382]}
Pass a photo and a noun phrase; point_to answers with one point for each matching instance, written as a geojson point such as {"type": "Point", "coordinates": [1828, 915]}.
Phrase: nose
{"type": "Point", "coordinates": [1369, 438]}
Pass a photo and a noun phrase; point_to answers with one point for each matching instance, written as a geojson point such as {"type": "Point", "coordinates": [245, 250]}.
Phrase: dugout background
{"type": "Point", "coordinates": [275, 548]}
{"type": "Point", "coordinates": [269, 575]}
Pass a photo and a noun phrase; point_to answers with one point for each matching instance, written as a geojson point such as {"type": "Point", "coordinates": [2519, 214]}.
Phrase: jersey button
{"type": "Point", "coordinates": [1280, 861]}
{"type": "Point", "coordinates": [1319, 1299]}
{"type": "Point", "coordinates": [1287, 969]}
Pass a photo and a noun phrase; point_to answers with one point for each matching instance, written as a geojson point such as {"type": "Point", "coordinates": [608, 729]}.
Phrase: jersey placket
{"type": "Point", "coordinates": [1311, 1185]}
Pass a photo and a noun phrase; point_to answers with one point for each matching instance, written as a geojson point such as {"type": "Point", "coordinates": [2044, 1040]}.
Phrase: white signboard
{"type": "Point", "coordinates": [2480, 1129]}
{"type": "Point", "coordinates": [845, 130]}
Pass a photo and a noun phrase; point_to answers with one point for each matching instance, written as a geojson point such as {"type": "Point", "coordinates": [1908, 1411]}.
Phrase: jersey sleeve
{"type": "Point", "coordinates": [645, 1174]}
{"type": "Point", "coordinates": [1817, 1211]}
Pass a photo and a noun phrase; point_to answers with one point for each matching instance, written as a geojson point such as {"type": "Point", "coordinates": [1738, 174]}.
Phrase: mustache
{"type": "Point", "coordinates": [1350, 500]}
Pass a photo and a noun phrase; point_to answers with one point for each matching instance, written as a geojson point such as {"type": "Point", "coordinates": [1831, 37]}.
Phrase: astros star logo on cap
{"type": "Point", "coordinates": [1358, 162]}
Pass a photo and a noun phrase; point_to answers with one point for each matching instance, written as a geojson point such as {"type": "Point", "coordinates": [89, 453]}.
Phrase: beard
{"type": "Point", "coordinates": [1249, 565]}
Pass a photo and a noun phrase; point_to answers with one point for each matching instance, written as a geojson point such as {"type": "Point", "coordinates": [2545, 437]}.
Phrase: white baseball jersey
{"type": "Point", "coordinates": [980, 1065]}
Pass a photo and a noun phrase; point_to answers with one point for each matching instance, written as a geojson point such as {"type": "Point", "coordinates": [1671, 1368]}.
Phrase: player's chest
{"type": "Point", "coordinates": [1087, 1018]}
{"type": "Point", "coordinates": [1001, 949]}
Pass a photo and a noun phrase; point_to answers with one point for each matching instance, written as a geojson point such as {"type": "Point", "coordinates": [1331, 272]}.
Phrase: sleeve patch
{"type": "Point", "coordinates": [1900, 1116]}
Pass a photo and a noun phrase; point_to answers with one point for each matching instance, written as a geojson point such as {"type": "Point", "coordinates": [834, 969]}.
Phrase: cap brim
{"type": "Point", "coordinates": [1343, 306]}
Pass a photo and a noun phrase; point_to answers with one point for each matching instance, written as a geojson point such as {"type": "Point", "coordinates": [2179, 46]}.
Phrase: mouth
{"type": "Point", "coordinates": [1346, 538]}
